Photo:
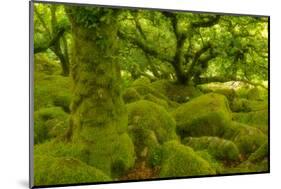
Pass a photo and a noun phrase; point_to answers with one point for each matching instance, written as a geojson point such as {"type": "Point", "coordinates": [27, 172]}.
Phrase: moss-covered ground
{"type": "Point", "coordinates": [172, 131]}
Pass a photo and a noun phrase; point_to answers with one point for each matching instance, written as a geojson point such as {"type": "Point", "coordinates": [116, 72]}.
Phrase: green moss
{"type": "Point", "coordinates": [141, 81]}
{"type": "Point", "coordinates": [148, 115]}
{"type": "Point", "coordinates": [131, 95]}
{"type": "Point", "coordinates": [215, 164]}
{"type": "Point", "coordinates": [156, 100]}
{"type": "Point", "coordinates": [260, 154]}
{"type": "Point", "coordinates": [179, 160]}
{"type": "Point", "coordinates": [228, 92]}
{"type": "Point", "coordinates": [50, 171]}
{"type": "Point", "coordinates": [113, 158]}
{"type": "Point", "coordinates": [106, 149]}
{"type": "Point", "coordinates": [248, 167]}
{"type": "Point", "coordinates": [149, 126]}
{"type": "Point", "coordinates": [258, 119]}
{"type": "Point", "coordinates": [175, 92]}
{"type": "Point", "coordinates": [49, 123]}
{"type": "Point", "coordinates": [248, 139]}
{"type": "Point", "coordinates": [219, 148]}
{"type": "Point", "coordinates": [206, 115]}
{"type": "Point", "coordinates": [254, 94]}
{"type": "Point", "coordinates": [43, 64]}
{"type": "Point", "coordinates": [51, 90]}
{"type": "Point", "coordinates": [63, 100]}
{"type": "Point", "coordinates": [245, 105]}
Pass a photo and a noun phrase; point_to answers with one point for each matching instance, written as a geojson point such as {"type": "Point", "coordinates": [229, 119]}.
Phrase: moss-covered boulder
{"type": "Point", "coordinates": [118, 154]}
{"type": "Point", "coordinates": [49, 123]}
{"type": "Point", "coordinates": [258, 119]}
{"type": "Point", "coordinates": [245, 105]}
{"type": "Point", "coordinates": [43, 64]}
{"type": "Point", "coordinates": [179, 161]}
{"type": "Point", "coordinates": [51, 90]}
{"type": "Point", "coordinates": [216, 165]}
{"type": "Point", "coordinates": [148, 115]}
{"type": "Point", "coordinates": [206, 115]}
{"type": "Point", "coordinates": [149, 125]}
{"type": "Point", "coordinates": [156, 100]}
{"type": "Point", "coordinates": [260, 154]}
{"type": "Point", "coordinates": [176, 92]}
{"type": "Point", "coordinates": [131, 95]}
{"type": "Point", "coordinates": [221, 149]}
{"type": "Point", "coordinates": [49, 170]}
{"type": "Point", "coordinates": [248, 139]}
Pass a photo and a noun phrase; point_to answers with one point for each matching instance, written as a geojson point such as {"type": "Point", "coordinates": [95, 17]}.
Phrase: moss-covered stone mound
{"type": "Point", "coordinates": [258, 119]}
{"type": "Point", "coordinates": [221, 149]}
{"type": "Point", "coordinates": [206, 115]}
{"type": "Point", "coordinates": [248, 139]}
{"type": "Point", "coordinates": [65, 170]}
{"type": "Point", "coordinates": [49, 123]}
{"type": "Point", "coordinates": [149, 126]}
{"type": "Point", "coordinates": [179, 161]}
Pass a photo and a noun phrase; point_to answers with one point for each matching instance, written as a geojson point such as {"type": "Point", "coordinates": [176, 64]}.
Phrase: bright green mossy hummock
{"type": "Point", "coordinates": [49, 123]}
{"type": "Point", "coordinates": [65, 170]}
{"type": "Point", "coordinates": [149, 124]}
{"type": "Point", "coordinates": [221, 149]}
{"type": "Point", "coordinates": [179, 161]}
{"type": "Point", "coordinates": [206, 115]}
{"type": "Point", "coordinates": [248, 139]}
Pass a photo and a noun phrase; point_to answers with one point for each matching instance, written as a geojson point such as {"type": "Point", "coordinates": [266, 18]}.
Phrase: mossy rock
{"type": "Point", "coordinates": [180, 161]}
{"type": "Point", "coordinates": [248, 167]}
{"type": "Point", "coordinates": [206, 115]}
{"type": "Point", "coordinates": [214, 163]}
{"type": "Point", "coordinates": [150, 116]}
{"type": "Point", "coordinates": [260, 154]}
{"type": "Point", "coordinates": [258, 119]}
{"type": "Point", "coordinates": [141, 81]}
{"type": "Point", "coordinates": [106, 149]}
{"type": "Point", "coordinates": [245, 105]}
{"type": "Point", "coordinates": [248, 139]}
{"type": "Point", "coordinates": [51, 90]}
{"type": "Point", "coordinates": [221, 149]}
{"type": "Point", "coordinates": [156, 100]}
{"type": "Point", "coordinates": [131, 95]}
{"type": "Point", "coordinates": [228, 92]}
{"type": "Point", "coordinates": [113, 158]}
{"type": "Point", "coordinates": [49, 170]}
{"type": "Point", "coordinates": [150, 125]}
{"type": "Point", "coordinates": [49, 123]}
{"type": "Point", "coordinates": [45, 65]}
{"type": "Point", "coordinates": [176, 92]}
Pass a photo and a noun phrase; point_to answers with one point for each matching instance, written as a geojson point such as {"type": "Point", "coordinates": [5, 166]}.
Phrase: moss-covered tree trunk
{"type": "Point", "coordinates": [98, 114]}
